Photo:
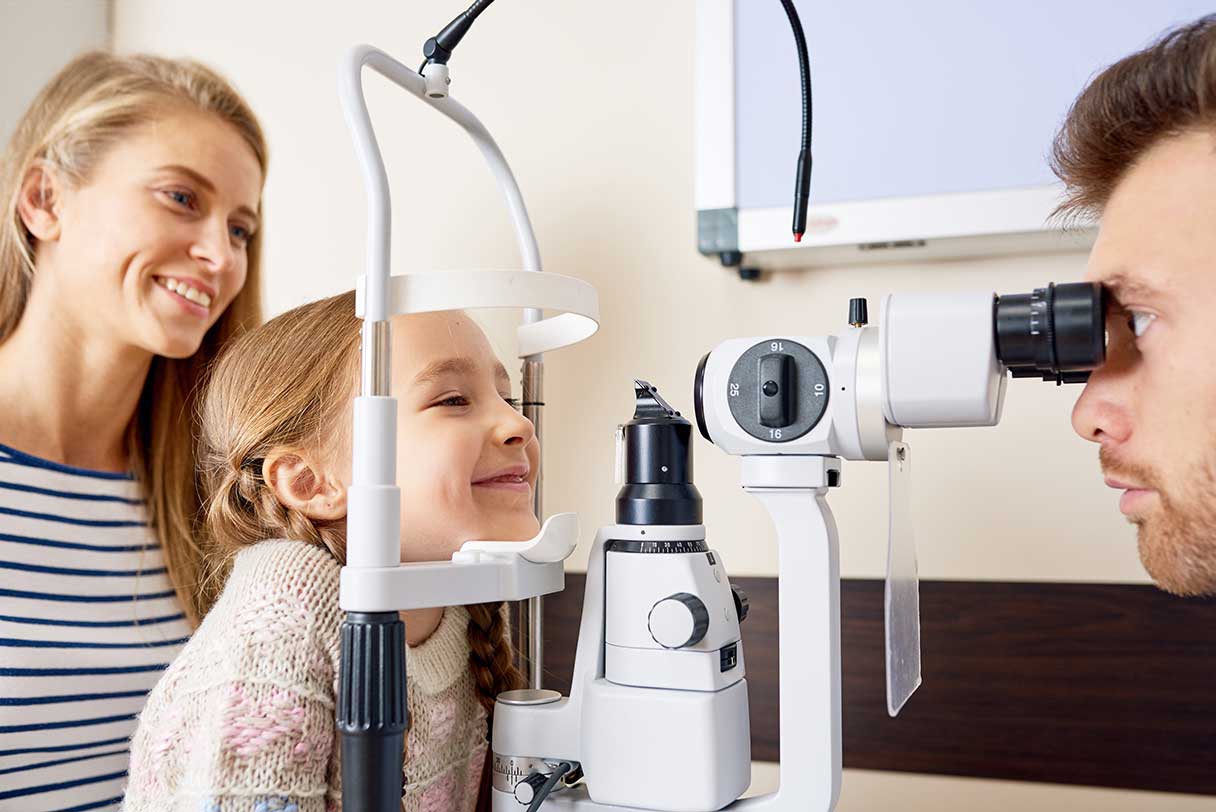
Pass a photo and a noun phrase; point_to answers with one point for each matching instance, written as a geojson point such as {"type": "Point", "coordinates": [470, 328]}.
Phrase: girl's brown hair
{"type": "Point", "coordinates": [89, 106]}
{"type": "Point", "coordinates": [1163, 90]}
{"type": "Point", "coordinates": [288, 384]}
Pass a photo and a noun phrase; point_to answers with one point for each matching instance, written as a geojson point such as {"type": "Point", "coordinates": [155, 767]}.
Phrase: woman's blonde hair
{"type": "Point", "coordinates": [90, 105]}
{"type": "Point", "coordinates": [288, 384]}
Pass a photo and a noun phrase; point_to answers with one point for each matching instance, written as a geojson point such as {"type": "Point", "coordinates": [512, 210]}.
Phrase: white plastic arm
{"type": "Point", "coordinates": [793, 490]}
{"type": "Point", "coordinates": [375, 178]}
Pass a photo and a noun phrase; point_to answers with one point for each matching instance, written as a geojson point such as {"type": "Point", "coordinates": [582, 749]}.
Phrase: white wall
{"type": "Point", "coordinates": [592, 103]}
{"type": "Point", "coordinates": [36, 39]}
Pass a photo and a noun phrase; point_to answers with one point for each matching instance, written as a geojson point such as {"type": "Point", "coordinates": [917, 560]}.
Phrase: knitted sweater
{"type": "Point", "coordinates": [244, 718]}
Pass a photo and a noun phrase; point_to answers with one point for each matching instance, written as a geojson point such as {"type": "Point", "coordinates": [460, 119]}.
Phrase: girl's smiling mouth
{"type": "Point", "coordinates": [512, 478]}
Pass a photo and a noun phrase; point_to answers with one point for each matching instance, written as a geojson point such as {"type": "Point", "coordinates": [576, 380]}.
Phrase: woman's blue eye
{"type": "Point", "coordinates": [181, 198]}
{"type": "Point", "coordinates": [240, 233]}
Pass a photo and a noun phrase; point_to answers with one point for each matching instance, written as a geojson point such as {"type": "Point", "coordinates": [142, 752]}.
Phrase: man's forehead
{"type": "Point", "coordinates": [1156, 234]}
{"type": "Point", "coordinates": [1134, 268]}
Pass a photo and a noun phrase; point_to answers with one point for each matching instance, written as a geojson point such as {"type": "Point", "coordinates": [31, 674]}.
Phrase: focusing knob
{"type": "Point", "coordinates": [526, 789]}
{"type": "Point", "coordinates": [742, 605]}
{"type": "Point", "coordinates": [678, 621]}
{"type": "Point", "coordinates": [858, 315]}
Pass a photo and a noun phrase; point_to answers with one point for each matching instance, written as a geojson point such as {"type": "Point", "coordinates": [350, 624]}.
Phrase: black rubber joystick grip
{"type": "Point", "coordinates": [372, 715]}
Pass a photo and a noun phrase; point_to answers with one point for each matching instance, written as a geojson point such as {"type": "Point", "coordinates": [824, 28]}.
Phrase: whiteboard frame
{"type": "Point", "coordinates": [966, 224]}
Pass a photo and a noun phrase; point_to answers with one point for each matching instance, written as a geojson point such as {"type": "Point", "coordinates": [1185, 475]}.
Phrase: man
{"type": "Point", "coordinates": [1138, 150]}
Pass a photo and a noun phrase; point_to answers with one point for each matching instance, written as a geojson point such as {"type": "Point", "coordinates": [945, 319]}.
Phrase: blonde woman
{"type": "Point", "coordinates": [244, 718]}
{"type": "Point", "coordinates": [128, 256]}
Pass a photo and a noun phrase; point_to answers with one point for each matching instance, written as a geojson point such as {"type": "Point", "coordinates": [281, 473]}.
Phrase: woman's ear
{"type": "Point", "coordinates": [300, 483]}
{"type": "Point", "coordinates": [38, 202]}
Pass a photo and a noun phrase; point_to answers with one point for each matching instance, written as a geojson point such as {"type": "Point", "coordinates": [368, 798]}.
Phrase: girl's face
{"type": "Point", "coordinates": [466, 458]}
{"type": "Point", "coordinates": [152, 247]}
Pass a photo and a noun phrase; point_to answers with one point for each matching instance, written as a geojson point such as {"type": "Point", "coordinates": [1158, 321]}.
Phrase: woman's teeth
{"type": "Point", "coordinates": [185, 291]}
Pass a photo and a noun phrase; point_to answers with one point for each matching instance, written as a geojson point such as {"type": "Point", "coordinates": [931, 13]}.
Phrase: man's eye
{"type": "Point", "coordinates": [1139, 321]}
{"type": "Point", "coordinates": [454, 400]}
{"type": "Point", "coordinates": [512, 402]}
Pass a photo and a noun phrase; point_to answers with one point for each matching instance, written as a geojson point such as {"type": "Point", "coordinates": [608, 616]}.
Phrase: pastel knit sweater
{"type": "Point", "coordinates": [243, 720]}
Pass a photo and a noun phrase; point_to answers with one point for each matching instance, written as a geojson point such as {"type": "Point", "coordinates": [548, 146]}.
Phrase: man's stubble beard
{"type": "Point", "coordinates": [1177, 540]}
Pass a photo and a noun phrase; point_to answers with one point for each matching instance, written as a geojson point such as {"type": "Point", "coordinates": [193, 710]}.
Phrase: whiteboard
{"type": "Point", "coordinates": [932, 97]}
{"type": "Point", "coordinates": [932, 121]}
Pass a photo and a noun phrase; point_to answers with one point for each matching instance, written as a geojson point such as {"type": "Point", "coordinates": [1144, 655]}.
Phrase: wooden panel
{"type": "Point", "coordinates": [1104, 685]}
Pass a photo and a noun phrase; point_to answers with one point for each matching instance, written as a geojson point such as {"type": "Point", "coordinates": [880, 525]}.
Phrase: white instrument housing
{"type": "Point", "coordinates": [642, 739]}
{"type": "Point", "coordinates": [655, 603]}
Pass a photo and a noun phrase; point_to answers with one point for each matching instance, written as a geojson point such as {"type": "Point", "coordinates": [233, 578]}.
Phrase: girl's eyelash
{"type": "Point", "coordinates": [461, 400]}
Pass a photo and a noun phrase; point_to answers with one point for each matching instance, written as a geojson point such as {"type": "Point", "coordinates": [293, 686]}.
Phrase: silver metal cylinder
{"type": "Point", "coordinates": [377, 359]}
{"type": "Point", "coordinates": [531, 620]}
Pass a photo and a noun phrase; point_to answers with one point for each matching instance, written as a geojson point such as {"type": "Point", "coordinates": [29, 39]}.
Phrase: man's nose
{"type": "Point", "coordinates": [1102, 413]}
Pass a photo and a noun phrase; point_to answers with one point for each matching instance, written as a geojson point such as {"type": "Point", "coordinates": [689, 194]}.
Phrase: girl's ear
{"type": "Point", "coordinates": [38, 202]}
{"type": "Point", "coordinates": [302, 484]}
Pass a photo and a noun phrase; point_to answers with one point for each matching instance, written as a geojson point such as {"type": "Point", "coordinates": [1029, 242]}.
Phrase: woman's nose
{"type": "Point", "coordinates": [213, 248]}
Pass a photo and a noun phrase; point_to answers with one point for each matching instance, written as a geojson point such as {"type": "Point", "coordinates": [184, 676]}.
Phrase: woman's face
{"type": "Point", "coordinates": [466, 458]}
{"type": "Point", "coordinates": [151, 249]}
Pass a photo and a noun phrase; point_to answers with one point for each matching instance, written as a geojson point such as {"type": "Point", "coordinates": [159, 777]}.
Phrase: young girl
{"type": "Point", "coordinates": [244, 718]}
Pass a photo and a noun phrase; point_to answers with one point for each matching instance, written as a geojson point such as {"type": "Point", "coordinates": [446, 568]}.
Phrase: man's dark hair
{"type": "Point", "coordinates": [1164, 90]}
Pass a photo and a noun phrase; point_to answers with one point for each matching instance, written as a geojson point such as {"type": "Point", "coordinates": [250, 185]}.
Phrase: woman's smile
{"type": "Point", "coordinates": [192, 297]}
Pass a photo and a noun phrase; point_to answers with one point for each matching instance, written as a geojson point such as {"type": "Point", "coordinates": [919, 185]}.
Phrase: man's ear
{"type": "Point", "coordinates": [38, 202]}
{"type": "Point", "coordinates": [302, 484]}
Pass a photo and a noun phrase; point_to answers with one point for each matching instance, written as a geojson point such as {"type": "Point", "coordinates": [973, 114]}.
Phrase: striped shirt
{"type": "Point", "coordinates": [88, 620]}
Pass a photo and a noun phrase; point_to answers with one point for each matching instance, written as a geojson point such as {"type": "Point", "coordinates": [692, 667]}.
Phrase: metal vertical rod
{"type": "Point", "coordinates": [531, 632]}
{"type": "Point", "coordinates": [377, 359]}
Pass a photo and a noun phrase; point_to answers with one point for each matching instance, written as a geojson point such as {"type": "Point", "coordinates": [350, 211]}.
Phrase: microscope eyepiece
{"type": "Point", "coordinates": [1057, 333]}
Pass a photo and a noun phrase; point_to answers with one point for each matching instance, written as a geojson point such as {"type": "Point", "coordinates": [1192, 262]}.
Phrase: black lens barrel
{"type": "Point", "coordinates": [658, 485]}
{"type": "Point", "coordinates": [1057, 333]}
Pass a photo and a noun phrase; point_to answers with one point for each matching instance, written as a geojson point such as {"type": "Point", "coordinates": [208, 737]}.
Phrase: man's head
{"type": "Point", "coordinates": [1138, 150]}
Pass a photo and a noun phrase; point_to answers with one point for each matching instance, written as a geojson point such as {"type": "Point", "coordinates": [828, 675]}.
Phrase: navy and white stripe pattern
{"type": "Point", "coordinates": [88, 620]}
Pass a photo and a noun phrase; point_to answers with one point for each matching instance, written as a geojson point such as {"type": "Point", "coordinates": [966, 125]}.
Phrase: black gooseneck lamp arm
{"type": "Point", "coordinates": [438, 49]}
{"type": "Point", "coordinates": [802, 181]}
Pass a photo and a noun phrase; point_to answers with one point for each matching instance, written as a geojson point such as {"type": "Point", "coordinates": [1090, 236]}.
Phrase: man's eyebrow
{"type": "Point", "coordinates": [1124, 287]}
{"type": "Point", "coordinates": [207, 186]}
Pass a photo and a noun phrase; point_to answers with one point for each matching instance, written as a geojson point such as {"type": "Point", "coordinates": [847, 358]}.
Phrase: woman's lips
{"type": "Point", "coordinates": [193, 307]}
